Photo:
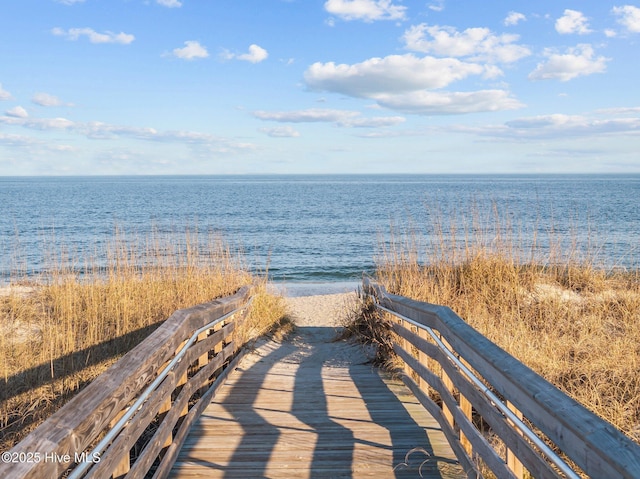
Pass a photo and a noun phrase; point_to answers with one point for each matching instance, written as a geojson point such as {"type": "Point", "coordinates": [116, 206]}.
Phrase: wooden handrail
{"type": "Point", "coordinates": [149, 395]}
{"type": "Point", "coordinates": [595, 446]}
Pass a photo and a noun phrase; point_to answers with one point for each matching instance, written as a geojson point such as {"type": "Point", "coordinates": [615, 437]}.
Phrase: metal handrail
{"type": "Point", "coordinates": [519, 424]}
{"type": "Point", "coordinates": [81, 468]}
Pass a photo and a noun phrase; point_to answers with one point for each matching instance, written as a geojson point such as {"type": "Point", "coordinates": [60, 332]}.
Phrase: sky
{"type": "Point", "coordinates": [127, 87]}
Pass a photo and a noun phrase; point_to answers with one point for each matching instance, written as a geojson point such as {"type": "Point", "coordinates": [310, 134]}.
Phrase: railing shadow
{"type": "Point", "coordinates": [72, 363]}
{"type": "Point", "coordinates": [61, 368]}
{"type": "Point", "coordinates": [332, 435]}
{"type": "Point", "coordinates": [240, 405]}
{"type": "Point", "coordinates": [310, 406]}
{"type": "Point", "coordinates": [413, 453]}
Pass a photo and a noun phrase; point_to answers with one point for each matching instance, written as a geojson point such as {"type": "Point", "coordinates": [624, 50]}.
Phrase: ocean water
{"type": "Point", "coordinates": [316, 229]}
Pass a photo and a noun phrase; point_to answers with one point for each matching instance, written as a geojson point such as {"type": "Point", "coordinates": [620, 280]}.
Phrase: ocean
{"type": "Point", "coordinates": [309, 231]}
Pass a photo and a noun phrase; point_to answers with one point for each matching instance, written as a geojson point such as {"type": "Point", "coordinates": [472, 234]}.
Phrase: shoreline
{"type": "Point", "coordinates": [295, 289]}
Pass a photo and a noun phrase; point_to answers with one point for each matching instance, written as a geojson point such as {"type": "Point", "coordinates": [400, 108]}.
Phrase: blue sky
{"type": "Point", "coordinates": [318, 86]}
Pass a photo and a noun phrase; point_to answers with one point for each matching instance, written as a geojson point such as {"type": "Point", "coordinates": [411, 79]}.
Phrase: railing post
{"type": "Point", "coordinates": [512, 461]}
{"type": "Point", "coordinates": [448, 384]}
{"type": "Point", "coordinates": [218, 347]}
{"type": "Point", "coordinates": [407, 369]}
{"type": "Point", "coordinates": [467, 410]}
{"type": "Point", "coordinates": [164, 409]}
{"type": "Point", "coordinates": [203, 360]}
{"type": "Point", "coordinates": [124, 465]}
{"type": "Point", "coordinates": [182, 381]}
{"type": "Point", "coordinates": [422, 358]}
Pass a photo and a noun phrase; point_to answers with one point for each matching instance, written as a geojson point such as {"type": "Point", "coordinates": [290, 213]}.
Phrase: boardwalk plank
{"type": "Point", "coordinates": [313, 408]}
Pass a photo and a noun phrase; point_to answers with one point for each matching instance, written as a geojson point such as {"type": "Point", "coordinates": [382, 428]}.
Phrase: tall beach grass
{"type": "Point", "coordinates": [61, 330]}
{"type": "Point", "coordinates": [557, 309]}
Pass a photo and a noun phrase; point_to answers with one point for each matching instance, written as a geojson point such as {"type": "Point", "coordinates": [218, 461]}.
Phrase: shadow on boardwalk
{"type": "Point", "coordinates": [311, 407]}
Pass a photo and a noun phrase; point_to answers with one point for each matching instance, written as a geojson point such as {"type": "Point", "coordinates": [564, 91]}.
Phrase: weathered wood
{"type": "Point", "coordinates": [164, 433]}
{"type": "Point", "coordinates": [121, 446]}
{"type": "Point", "coordinates": [594, 445]}
{"type": "Point", "coordinates": [156, 444]}
{"type": "Point", "coordinates": [121, 464]}
{"type": "Point", "coordinates": [170, 458]}
{"type": "Point", "coordinates": [467, 410]}
{"type": "Point", "coordinates": [530, 457]}
{"type": "Point", "coordinates": [512, 460]}
{"type": "Point", "coordinates": [479, 443]}
{"type": "Point", "coordinates": [465, 460]}
{"type": "Point", "coordinates": [422, 357]}
{"type": "Point", "coordinates": [312, 407]}
{"type": "Point", "coordinates": [448, 384]}
{"type": "Point", "coordinates": [74, 427]}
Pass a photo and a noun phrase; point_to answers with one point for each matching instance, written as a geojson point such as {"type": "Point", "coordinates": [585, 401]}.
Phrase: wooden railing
{"type": "Point", "coordinates": [132, 420]}
{"type": "Point", "coordinates": [480, 384]}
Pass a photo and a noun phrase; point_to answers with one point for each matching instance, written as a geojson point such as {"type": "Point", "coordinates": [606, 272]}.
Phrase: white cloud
{"type": "Point", "coordinates": [17, 112]}
{"type": "Point", "coordinates": [45, 99]}
{"type": "Point", "coordinates": [449, 103]}
{"type": "Point", "coordinates": [480, 44]}
{"type": "Point", "coordinates": [310, 115]}
{"type": "Point", "coordinates": [34, 146]}
{"type": "Point", "coordinates": [42, 124]}
{"type": "Point", "coordinates": [4, 94]}
{"type": "Point", "coordinates": [256, 54]}
{"type": "Point", "coordinates": [394, 73]}
{"type": "Point", "coordinates": [93, 36]}
{"type": "Point", "coordinates": [343, 118]}
{"type": "Point", "coordinates": [281, 132]}
{"type": "Point", "coordinates": [366, 10]}
{"type": "Point", "coordinates": [513, 18]}
{"type": "Point", "coordinates": [69, 2]}
{"type": "Point", "coordinates": [629, 16]}
{"type": "Point", "coordinates": [402, 82]}
{"type": "Point", "coordinates": [556, 126]}
{"type": "Point", "coordinates": [625, 110]}
{"type": "Point", "coordinates": [544, 121]}
{"type": "Point", "coordinates": [97, 130]}
{"type": "Point", "coordinates": [169, 3]}
{"type": "Point", "coordinates": [577, 61]}
{"type": "Point", "coordinates": [191, 51]}
{"type": "Point", "coordinates": [17, 140]}
{"type": "Point", "coordinates": [374, 122]}
{"type": "Point", "coordinates": [437, 6]}
{"type": "Point", "coordinates": [572, 21]}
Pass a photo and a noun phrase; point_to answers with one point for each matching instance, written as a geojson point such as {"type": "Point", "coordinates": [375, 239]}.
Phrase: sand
{"type": "Point", "coordinates": [321, 310]}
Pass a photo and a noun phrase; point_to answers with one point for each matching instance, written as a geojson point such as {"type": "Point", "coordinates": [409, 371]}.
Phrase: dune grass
{"type": "Point", "coordinates": [59, 332]}
{"type": "Point", "coordinates": [574, 322]}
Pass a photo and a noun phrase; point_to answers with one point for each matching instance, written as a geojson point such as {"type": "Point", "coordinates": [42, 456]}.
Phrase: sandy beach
{"type": "Point", "coordinates": [321, 310]}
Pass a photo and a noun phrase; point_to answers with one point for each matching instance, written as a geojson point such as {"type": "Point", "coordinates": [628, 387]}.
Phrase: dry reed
{"type": "Point", "coordinates": [61, 331]}
{"type": "Point", "coordinates": [575, 323]}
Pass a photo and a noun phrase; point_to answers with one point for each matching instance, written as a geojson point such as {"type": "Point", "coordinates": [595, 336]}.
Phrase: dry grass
{"type": "Point", "coordinates": [362, 322]}
{"type": "Point", "coordinates": [60, 332]}
{"type": "Point", "coordinates": [268, 316]}
{"type": "Point", "coordinates": [576, 324]}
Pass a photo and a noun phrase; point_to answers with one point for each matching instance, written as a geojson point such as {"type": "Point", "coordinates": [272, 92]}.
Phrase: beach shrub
{"type": "Point", "coordinates": [573, 321]}
{"type": "Point", "coordinates": [61, 330]}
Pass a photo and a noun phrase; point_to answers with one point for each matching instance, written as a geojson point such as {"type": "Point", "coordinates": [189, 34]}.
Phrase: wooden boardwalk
{"type": "Point", "coordinates": [312, 408]}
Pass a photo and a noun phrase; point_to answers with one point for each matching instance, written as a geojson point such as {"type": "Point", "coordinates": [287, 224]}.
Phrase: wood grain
{"type": "Point", "coordinates": [310, 407]}
{"type": "Point", "coordinates": [594, 445]}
